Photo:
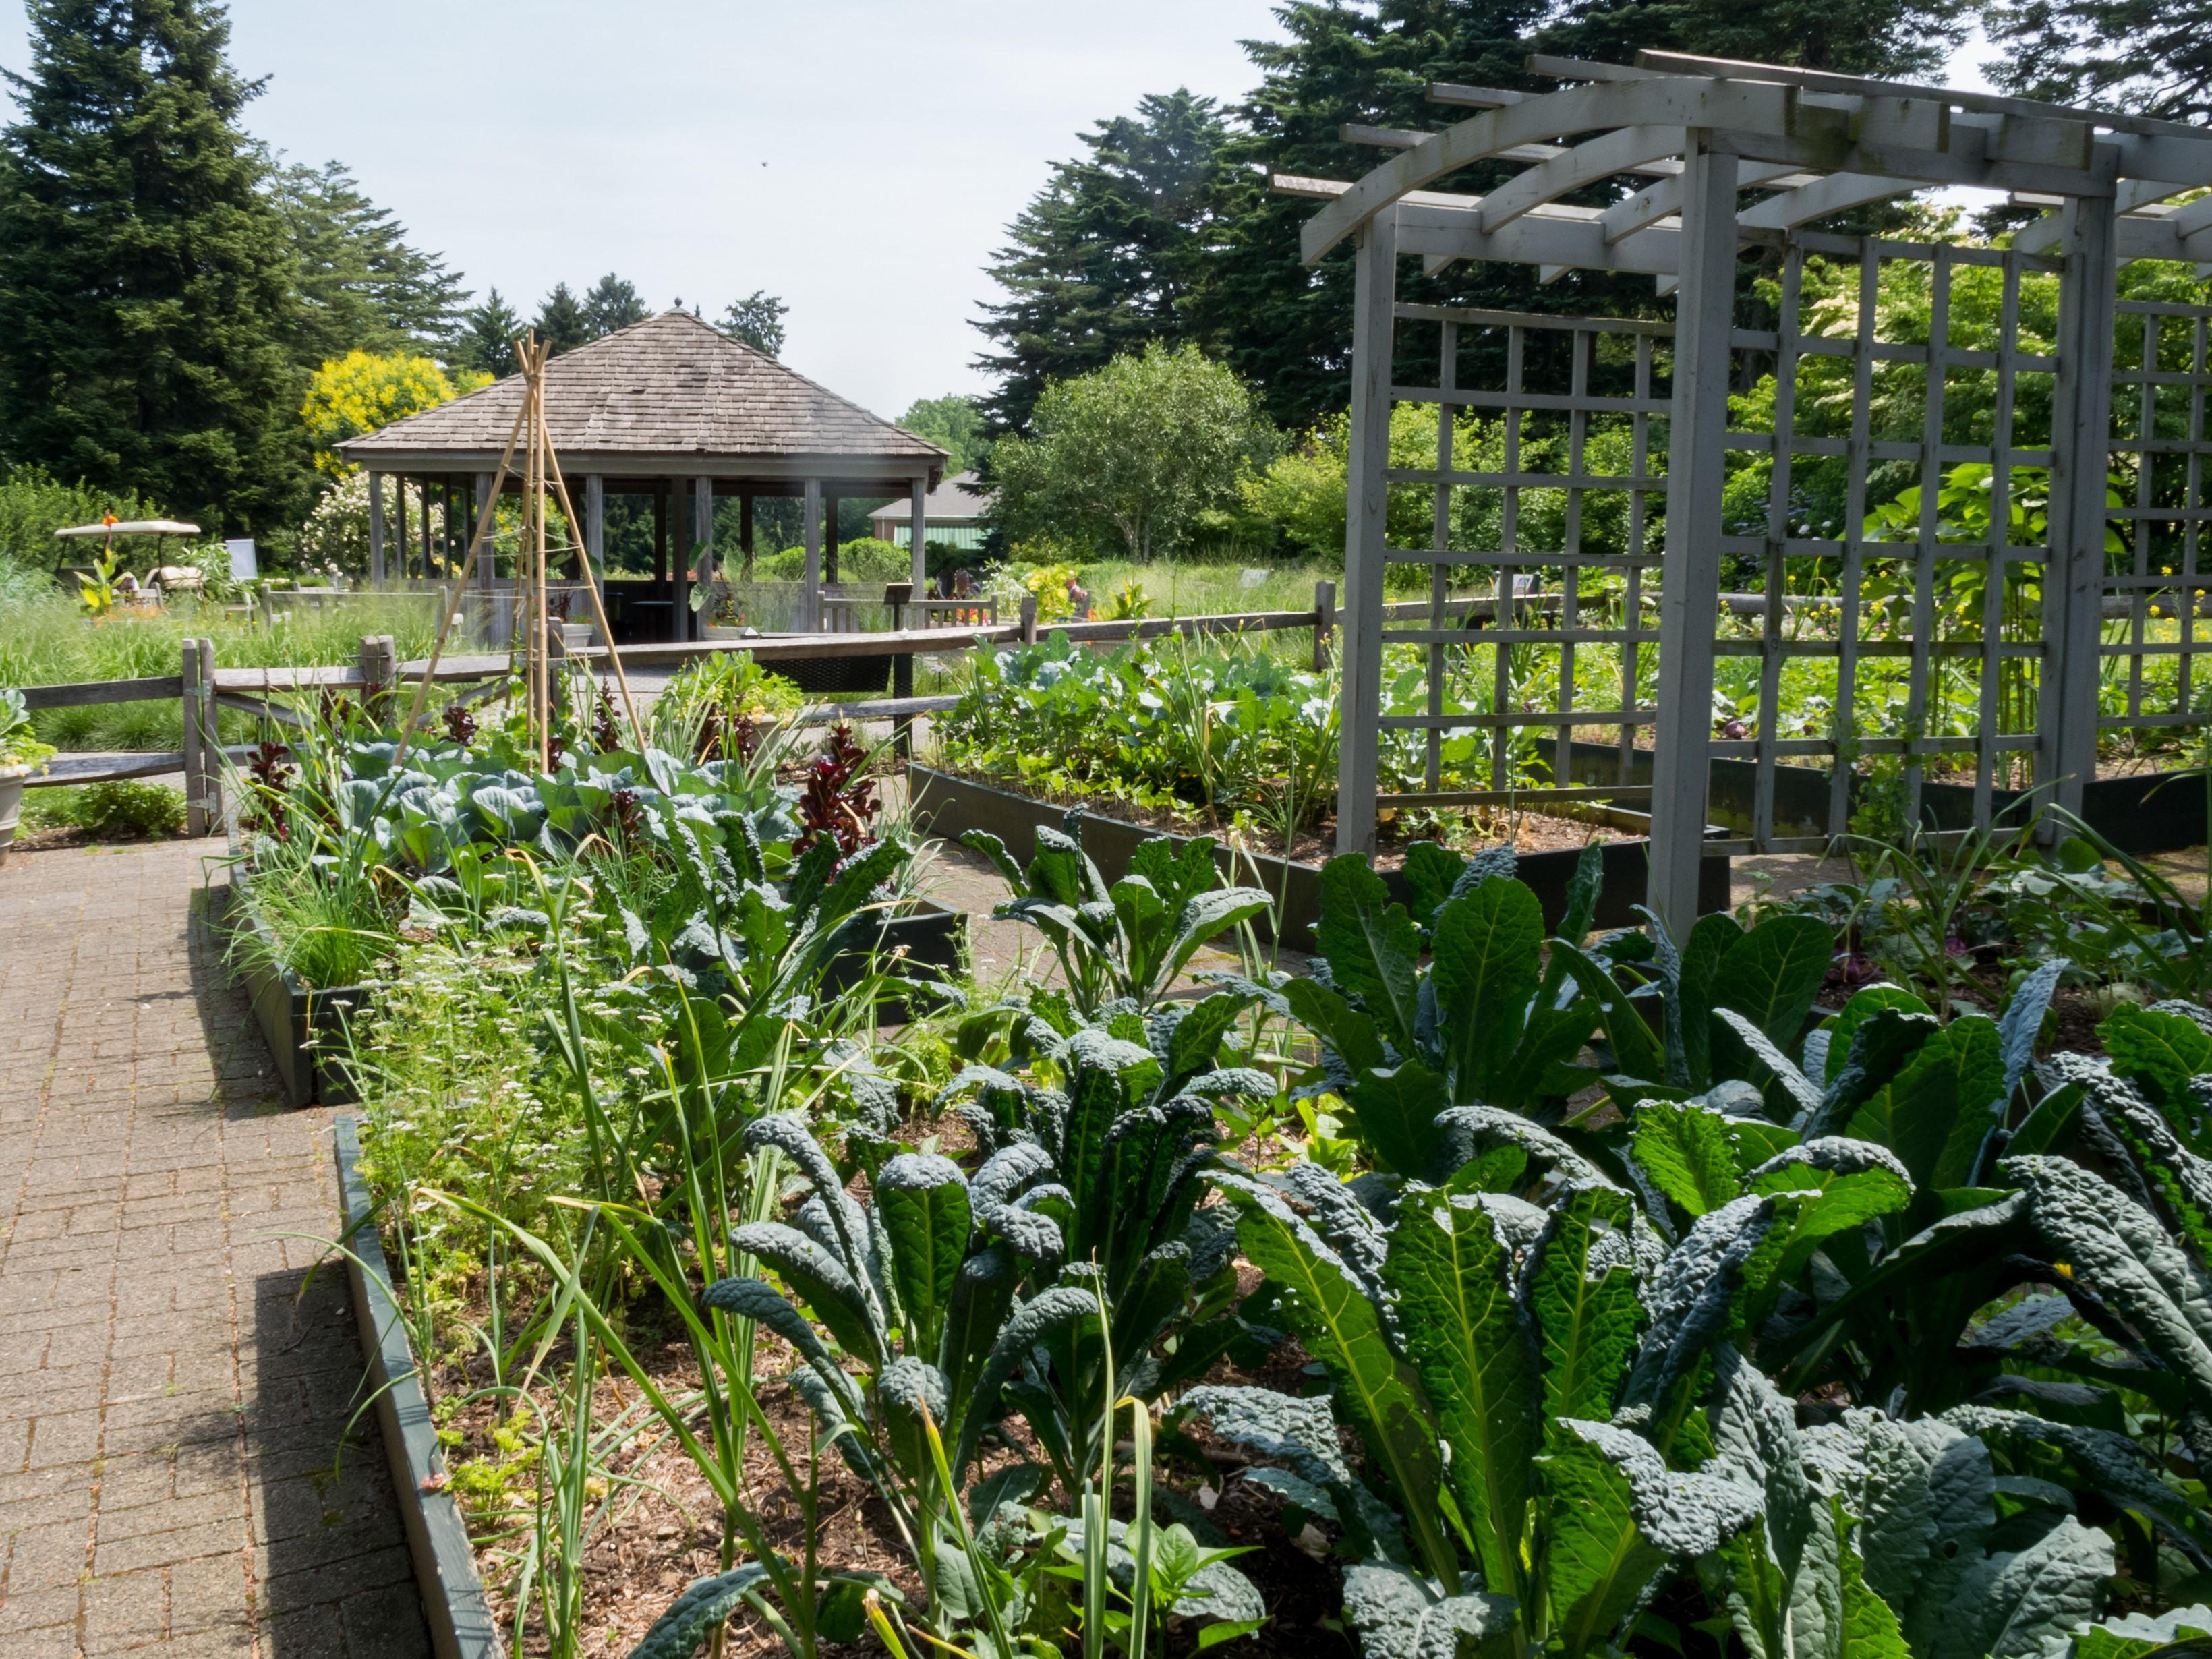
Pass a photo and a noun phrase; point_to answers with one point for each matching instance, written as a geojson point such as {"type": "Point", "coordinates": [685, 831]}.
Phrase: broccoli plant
{"type": "Point", "coordinates": [1129, 941]}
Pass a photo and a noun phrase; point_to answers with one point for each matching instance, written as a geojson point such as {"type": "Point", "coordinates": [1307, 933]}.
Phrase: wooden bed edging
{"type": "Point", "coordinates": [454, 1605]}
{"type": "Point", "coordinates": [946, 805]}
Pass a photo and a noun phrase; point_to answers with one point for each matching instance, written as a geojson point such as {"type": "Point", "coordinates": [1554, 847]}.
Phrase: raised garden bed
{"type": "Point", "coordinates": [461, 1621]}
{"type": "Point", "coordinates": [946, 805]}
{"type": "Point", "coordinates": [2145, 812]}
{"type": "Point", "coordinates": [305, 1028]}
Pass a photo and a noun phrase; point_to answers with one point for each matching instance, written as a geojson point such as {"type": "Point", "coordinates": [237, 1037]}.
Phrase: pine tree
{"type": "Point", "coordinates": [611, 304]}
{"type": "Point", "coordinates": [757, 319]}
{"type": "Point", "coordinates": [486, 336]}
{"type": "Point", "coordinates": [2147, 56]}
{"type": "Point", "coordinates": [1110, 255]}
{"type": "Point", "coordinates": [561, 323]}
{"type": "Point", "coordinates": [362, 286]}
{"type": "Point", "coordinates": [147, 298]}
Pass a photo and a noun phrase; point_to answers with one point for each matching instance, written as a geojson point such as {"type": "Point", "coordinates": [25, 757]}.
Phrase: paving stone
{"type": "Point", "coordinates": [168, 1401]}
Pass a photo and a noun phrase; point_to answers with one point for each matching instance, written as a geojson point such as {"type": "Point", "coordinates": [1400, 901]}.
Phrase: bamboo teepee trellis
{"type": "Point", "coordinates": [542, 483]}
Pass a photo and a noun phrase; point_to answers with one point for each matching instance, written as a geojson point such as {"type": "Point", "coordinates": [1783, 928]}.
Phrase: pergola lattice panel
{"type": "Point", "coordinates": [1967, 629]}
{"type": "Point", "coordinates": [2159, 378]}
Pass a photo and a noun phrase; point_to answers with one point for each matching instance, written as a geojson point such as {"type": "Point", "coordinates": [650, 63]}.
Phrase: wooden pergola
{"type": "Point", "coordinates": [670, 408]}
{"type": "Point", "coordinates": [1671, 168]}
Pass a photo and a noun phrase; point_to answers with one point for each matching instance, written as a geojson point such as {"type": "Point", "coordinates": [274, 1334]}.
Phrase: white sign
{"type": "Point", "coordinates": [244, 566]}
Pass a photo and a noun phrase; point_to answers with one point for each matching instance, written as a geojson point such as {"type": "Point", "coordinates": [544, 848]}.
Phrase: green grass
{"type": "Point", "coordinates": [45, 639]}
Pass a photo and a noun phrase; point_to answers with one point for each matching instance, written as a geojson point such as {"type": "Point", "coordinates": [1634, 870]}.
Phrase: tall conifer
{"type": "Point", "coordinates": [147, 286]}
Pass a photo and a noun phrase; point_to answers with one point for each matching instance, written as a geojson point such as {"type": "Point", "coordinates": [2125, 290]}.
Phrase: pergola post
{"type": "Point", "coordinates": [1697, 468]}
{"type": "Point", "coordinates": [810, 594]}
{"type": "Point", "coordinates": [2080, 436]}
{"type": "Point", "coordinates": [918, 494]}
{"type": "Point", "coordinates": [376, 529]}
{"type": "Point", "coordinates": [1366, 541]}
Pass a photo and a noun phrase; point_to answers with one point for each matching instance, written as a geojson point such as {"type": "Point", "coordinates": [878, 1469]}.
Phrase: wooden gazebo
{"type": "Point", "coordinates": [670, 408]}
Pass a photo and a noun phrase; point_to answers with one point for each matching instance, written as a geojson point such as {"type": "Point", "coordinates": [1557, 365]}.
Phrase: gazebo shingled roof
{"type": "Point", "coordinates": [673, 394]}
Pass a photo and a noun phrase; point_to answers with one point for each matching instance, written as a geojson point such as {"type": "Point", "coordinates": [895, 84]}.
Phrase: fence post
{"type": "Point", "coordinates": [1028, 618]}
{"type": "Point", "coordinates": [376, 670]}
{"type": "Point", "coordinates": [195, 815]}
{"type": "Point", "coordinates": [1324, 623]}
{"type": "Point", "coordinates": [211, 741]}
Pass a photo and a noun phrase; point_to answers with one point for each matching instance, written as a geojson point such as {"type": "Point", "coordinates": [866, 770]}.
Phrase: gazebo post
{"type": "Point", "coordinates": [660, 531]}
{"type": "Point", "coordinates": [810, 594]}
{"type": "Point", "coordinates": [376, 529]}
{"type": "Point", "coordinates": [1697, 468]}
{"type": "Point", "coordinates": [679, 560]}
{"type": "Point", "coordinates": [496, 623]}
{"type": "Point", "coordinates": [703, 529]}
{"type": "Point", "coordinates": [399, 506]}
{"type": "Point", "coordinates": [595, 529]}
{"type": "Point", "coordinates": [746, 530]}
{"type": "Point", "coordinates": [830, 536]}
{"type": "Point", "coordinates": [917, 493]}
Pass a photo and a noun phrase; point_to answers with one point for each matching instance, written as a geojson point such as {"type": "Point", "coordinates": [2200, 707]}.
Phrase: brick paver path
{"type": "Point", "coordinates": [171, 1404]}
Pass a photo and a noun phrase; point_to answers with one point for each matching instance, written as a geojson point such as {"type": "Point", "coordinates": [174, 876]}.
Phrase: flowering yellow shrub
{"type": "Point", "coordinates": [363, 391]}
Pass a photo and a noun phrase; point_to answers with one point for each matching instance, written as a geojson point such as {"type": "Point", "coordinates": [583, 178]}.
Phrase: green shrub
{"type": "Point", "coordinates": [868, 559]}
{"type": "Point", "coordinates": [123, 809]}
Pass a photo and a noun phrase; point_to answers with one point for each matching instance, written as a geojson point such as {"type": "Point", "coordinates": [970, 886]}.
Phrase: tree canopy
{"type": "Point", "coordinates": [1112, 252]}
{"type": "Point", "coordinates": [148, 294]}
{"type": "Point", "coordinates": [954, 424]}
{"type": "Point", "coordinates": [2148, 56]}
{"type": "Point", "coordinates": [488, 333]}
{"type": "Point", "coordinates": [362, 286]}
{"type": "Point", "coordinates": [1163, 229]}
{"type": "Point", "coordinates": [1132, 454]}
{"type": "Point", "coordinates": [611, 304]}
{"type": "Point", "coordinates": [757, 319]}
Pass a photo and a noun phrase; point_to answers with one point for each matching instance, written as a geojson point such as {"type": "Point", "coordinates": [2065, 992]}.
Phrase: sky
{"type": "Point", "coordinates": [859, 158]}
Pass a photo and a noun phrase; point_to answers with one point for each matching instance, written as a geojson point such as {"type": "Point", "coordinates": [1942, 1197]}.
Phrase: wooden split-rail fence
{"type": "Point", "coordinates": [948, 626]}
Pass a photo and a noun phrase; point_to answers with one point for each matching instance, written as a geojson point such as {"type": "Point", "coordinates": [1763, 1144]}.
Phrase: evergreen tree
{"type": "Point", "coordinates": [1166, 230]}
{"type": "Point", "coordinates": [147, 298]}
{"type": "Point", "coordinates": [611, 304]}
{"type": "Point", "coordinates": [2147, 56]}
{"type": "Point", "coordinates": [487, 338]}
{"type": "Point", "coordinates": [362, 288]}
{"type": "Point", "coordinates": [561, 324]}
{"type": "Point", "coordinates": [1110, 254]}
{"type": "Point", "coordinates": [757, 319]}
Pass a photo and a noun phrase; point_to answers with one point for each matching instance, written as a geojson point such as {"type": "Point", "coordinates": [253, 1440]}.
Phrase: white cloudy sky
{"type": "Point", "coordinates": [858, 157]}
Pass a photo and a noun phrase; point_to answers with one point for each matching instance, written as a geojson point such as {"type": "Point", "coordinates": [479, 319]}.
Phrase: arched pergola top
{"type": "Point", "coordinates": [1819, 144]}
